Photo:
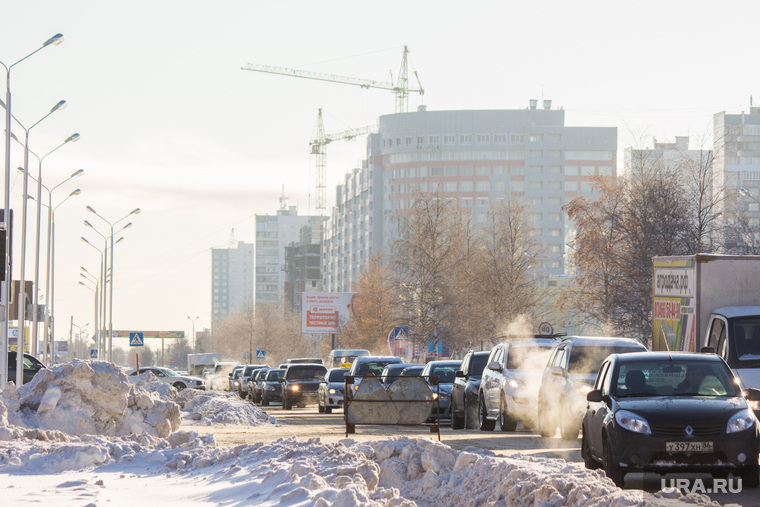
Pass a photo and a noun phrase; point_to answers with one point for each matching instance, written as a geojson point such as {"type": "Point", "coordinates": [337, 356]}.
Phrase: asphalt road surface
{"type": "Point", "coordinates": [305, 423]}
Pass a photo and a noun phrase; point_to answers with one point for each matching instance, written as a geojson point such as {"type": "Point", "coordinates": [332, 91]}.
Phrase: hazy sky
{"type": "Point", "coordinates": [170, 123]}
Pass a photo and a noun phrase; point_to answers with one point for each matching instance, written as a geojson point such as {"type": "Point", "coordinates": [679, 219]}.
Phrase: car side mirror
{"type": "Point", "coordinates": [752, 394]}
{"type": "Point", "coordinates": [459, 374]}
{"type": "Point", "coordinates": [557, 370]}
{"type": "Point", "coordinates": [494, 365]}
{"type": "Point", "coordinates": [229, 375]}
{"type": "Point", "coordinates": [281, 380]}
{"type": "Point", "coordinates": [595, 396]}
{"type": "Point", "coordinates": [707, 350]}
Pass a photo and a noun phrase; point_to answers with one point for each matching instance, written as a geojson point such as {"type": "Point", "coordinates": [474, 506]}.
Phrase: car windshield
{"type": "Point", "coordinates": [306, 373]}
{"type": "Point", "coordinates": [746, 334]}
{"type": "Point", "coordinates": [373, 368]}
{"type": "Point", "coordinates": [170, 373]}
{"type": "Point", "coordinates": [528, 357]}
{"type": "Point", "coordinates": [673, 378]}
{"type": "Point", "coordinates": [337, 375]}
{"type": "Point", "coordinates": [412, 371]}
{"type": "Point", "coordinates": [588, 359]}
{"type": "Point", "coordinates": [275, 374]}
{"type": "Point", "coordinates": [445, 373]}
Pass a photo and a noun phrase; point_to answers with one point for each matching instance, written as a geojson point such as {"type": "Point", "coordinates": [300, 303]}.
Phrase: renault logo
{"type": "Point", "coordinates": [689, 430]}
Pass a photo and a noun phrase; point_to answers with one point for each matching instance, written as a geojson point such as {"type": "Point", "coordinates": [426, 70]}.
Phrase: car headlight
{"type": "Point", "coordinates": [294, 388]}
{"type": "Point", "coordinates": [632, 422]}
{"type": "Point", "coordinates": [435, 396]}
{"type": "Point", "coordinates": [515, 384]}
{"type": "Point", "coordinates": [333, 391]}
{"type": "Point", "coordinates": [740, 421]}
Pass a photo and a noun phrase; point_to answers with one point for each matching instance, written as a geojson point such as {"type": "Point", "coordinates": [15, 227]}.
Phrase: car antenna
{"type": "Point", "coordinates": [667, 347]}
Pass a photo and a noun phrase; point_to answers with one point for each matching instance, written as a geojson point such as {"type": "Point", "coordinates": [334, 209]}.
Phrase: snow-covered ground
{"type": "Point", "coordinates": [83, 434]}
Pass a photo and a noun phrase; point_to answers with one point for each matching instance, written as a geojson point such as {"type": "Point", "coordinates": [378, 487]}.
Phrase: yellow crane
{"type": "Point", "coordinates": [400, 89]}
{"type": "Point", "coordinates": [319, 148]}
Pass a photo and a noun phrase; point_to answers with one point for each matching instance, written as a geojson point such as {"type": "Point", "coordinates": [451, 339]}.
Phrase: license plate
{"type": "Point", "coordinates": [688, 446]}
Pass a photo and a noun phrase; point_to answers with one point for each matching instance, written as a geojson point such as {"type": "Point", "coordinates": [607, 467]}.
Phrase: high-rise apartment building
{"type": "Point", "coordinates": [473, 156]}
{"type": "Point", "coordinates": [273, 234]}
{"type": "Point", "coordinates": [231, 279]}
{"type": "Point", "coordinates": [736, 146]}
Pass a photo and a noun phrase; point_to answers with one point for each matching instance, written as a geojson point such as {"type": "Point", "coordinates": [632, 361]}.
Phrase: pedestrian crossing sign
{"type": "Point", "coordinates": [136, 340]}
{"type": "Point", "coordinates": [260, 354]}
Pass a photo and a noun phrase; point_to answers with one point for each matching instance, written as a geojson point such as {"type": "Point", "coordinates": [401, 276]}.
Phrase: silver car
{"type": "Point", "coordinates": [170, 376]}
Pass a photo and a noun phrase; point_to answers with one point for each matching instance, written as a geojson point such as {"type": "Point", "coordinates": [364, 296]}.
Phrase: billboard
{"type": "Point", "coordinates": [673, 308]}
{"type": "Point", "coordinates": [325, 312]}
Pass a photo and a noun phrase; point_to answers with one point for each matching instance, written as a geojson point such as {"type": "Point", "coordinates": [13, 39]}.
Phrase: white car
{"type": "Point", "coordinates": [170, 376]}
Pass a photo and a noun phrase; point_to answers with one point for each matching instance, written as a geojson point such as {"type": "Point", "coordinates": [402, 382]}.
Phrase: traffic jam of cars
{"type": "Point", "coordinates": [634, 410]}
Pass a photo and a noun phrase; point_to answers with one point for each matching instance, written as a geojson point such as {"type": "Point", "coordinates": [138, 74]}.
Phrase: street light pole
{"type": "Point", "coordinates": [4, 296]}
{"type": "Point", "coordinates": [193, 321]}
{"type": "Point", "coordinates": [103, 281]}
{"type": "Point", "coordinates": [95, 293]}
{"type": "Point", "coordinates": [110, 295]}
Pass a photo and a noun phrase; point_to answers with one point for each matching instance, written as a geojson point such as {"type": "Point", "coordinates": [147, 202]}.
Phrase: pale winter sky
{"type": "Point", "coordinates": [170, 123]}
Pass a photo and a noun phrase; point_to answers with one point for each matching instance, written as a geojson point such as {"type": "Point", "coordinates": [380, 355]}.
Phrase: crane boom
{"type": "Point", "coordinates": [400, 89]}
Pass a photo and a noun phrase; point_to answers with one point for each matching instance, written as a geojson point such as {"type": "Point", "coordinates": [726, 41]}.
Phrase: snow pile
{"type": "Point", "coordinates": [221, 407]}
{"type": "Point", "coordinates": [88, 398]}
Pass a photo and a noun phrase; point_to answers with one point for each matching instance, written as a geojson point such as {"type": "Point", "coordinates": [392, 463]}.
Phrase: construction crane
{"type": "Point", "coordinates": [400, 88]}
{"type": "Point", "coordinates": [319, 148]}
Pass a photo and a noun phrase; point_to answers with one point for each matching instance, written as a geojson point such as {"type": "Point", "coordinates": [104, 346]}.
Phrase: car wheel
{"type": "Point", "coordinates": [506, 422]}
{"type": "Point", "coordinates": [264, 400]}
{"type": "Point", "coordinates": [484, 423]}
{"type": "Point", "coordinates": [457, 421]}
{"type": "Point", "coordinates": [470, 415]}
{"type": "Point", "coordinates": [750, 478]}
{"type": "Point", "coordinates": [568, 428]}
{"type": "Point", "coordinates": [611, 468]}
{"type": "Point", "coordinates": [588, 460]}
{"type": "Point", "coordinates": [178, 386]}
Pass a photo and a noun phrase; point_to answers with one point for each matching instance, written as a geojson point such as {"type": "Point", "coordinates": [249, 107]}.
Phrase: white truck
{"type": "Point", "coordinates": [707, 300]}
{"type": "Point", "coordinates": [196, 363]}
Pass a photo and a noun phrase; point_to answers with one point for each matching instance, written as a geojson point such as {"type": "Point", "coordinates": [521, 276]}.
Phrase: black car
{"type": "Point", "coordinates": [300, 383]}
{"type": "Point", "coordinates": [670, 412]}
{"type": "Point", "coordinates": [392, 372]}
{"type": "Point", "coordinates": [31, 366]}
{"type": "Point", "coordinates": [464, 393]}
{"type": "Point", "coordinates": [255, 384]}
{"type": "Point", "coordinates": [271, 389]}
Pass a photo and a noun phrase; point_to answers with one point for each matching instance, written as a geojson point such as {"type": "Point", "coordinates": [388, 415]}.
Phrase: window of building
{"type": "Point", "coordinates": [518, 170]}
{"type": "Point", "coordinates": [536, 216]}
{"type": "Point", "coordinates": [554, 154]}
{"type": "Point", "coordinates": [449, 139]}
{"type": "Point", "coordinates": [481, 202]}
{"type": "Point", "coordinates": [571, 186]}
{"type": "Point", "coordinates": [435, 186]}
{"type": "Point", "coordinates": [536, 138]}
{"type": "Point", "coordinates": [554, 201]}
{"type": "Point", "coordinates": [535, 153]}
{"type": "Point", "coordinates": [465, 139]}
{"type": "Point", "coordinates": [588, 170]}
{"type": "Point", "coordinates": [500, 170]}
{"type": "Point", "coordinates": [409, 141]}
{"type": "Point", "coordinates": [500, 139]}
{"type": "Point", "coordinates": [554, 233]}
{"type": "Point", "coordinates": [435, 171]}
{"type": "Point", "coordinates": [588, 155]}
{"type": "Point", "coordinates": [554, 185]}
{"type": "Point", "coordinates": [517, 138]}
{"type": "Point", "coordinates": [554, 217]}
{"type": "Point", "coordinates": [423, 186]}
{"type": "Point", "coordinates": [398, 141]}
{"type": "Point", "coordinates": [482, 186]}
{"type": "Point", "coordinates": [517, 186]}
{"type": "Point", "coordinates": [605, 170]}
{"type": "Point", "coordinates": [449, 171]}
{"type": "Point", "coordinates": [410, 172]}
{"type": "Point", "coordinates": [535, 185]}
{"type": "Point", "coordinates": [420, 139]}
{"type": "Point", "coordinates": [422, 172]}
{"type": "Point", "coordinates": [434, 140]}
{"type": "Point", "coordinates": [450, 186]}
{"type": "Point", "coordinates": [571, 170]}
{"type": "Point", "coordinates": [536, 200]}
{"type": "Point", "coordinates": [467, 202]}
{"type": "Point", "coordinates": [585, 186]}
{"type": "Point", "coordinates": [554, 169]}
{"type": "Point", "coordinates": [465, 170]}
{"type": "Point", "coordinates": [554, 138]}
{"type": "Point", "coordinates": [483, 139]}
{"type": "Point", "coordinates": [483, 170]}
{"type": "Point", "coordinates": [500, 186]}
{"type": "Point", "coordinates": [535, 169]}
{"type": "Point", "coordinates": [465, 186]}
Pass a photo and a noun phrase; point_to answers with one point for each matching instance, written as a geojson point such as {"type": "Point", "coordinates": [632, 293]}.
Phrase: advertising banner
{"type": "Point", "coordinates": [673, 312]}
{"type": "Point", "coordinates": [325, 312]}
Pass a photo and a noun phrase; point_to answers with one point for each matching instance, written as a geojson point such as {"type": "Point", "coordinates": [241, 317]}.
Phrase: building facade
{"type": "Point", "coordinates": [273, 234]}
{"type": "Point", "coordinates": [231, 279]}
{"type": "Point", "coordinates": [473, 156]}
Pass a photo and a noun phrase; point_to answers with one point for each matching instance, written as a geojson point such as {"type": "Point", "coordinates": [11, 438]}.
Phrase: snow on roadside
{"type": "Point", "coordinates": [85, 418]}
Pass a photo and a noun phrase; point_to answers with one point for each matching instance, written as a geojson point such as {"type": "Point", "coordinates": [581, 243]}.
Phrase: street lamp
{"type": "Point", "coordinates": [97, 292]}
{"type": "Point", "coordinates": [48, 335]}
{"type": "Point", "coordinates": [4, 296]}
{"type": "Point", "coordinates": [193, 321]}
{"type": "Point", "coordinates": [103, 279]}
{"type": "Point", "coordinates": [71, 337]}
{"type": "Point", "coordinates": [110, 295]}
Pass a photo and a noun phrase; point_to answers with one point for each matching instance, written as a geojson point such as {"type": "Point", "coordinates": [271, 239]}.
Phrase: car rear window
{"type": "Point", "coordinates": [337, 375]}
{"type": "Point", "coordinates": [528, 358]}
{"type": "Point", "coordinates": [373, 368]}
{"type": "Point", "coordinates": [478, 364]}
{"type": "Point", "coordinates": [306, 373]}
{"type": "Point", "coordinates": [588, 359]}
{"type": "Point", "coordinates": [275, 374]}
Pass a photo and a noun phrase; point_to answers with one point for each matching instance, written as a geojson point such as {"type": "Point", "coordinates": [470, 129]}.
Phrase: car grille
{"type": "Point", "coordinates": [710, 429]}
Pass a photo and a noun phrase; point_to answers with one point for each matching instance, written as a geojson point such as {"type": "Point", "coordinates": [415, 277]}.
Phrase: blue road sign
{"type": "Point", "coordinates": [136, 340]}
{"type": "Point", "coordinates": [93, 353]}
{"type": "Point", "coordinates": [260, 354]}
